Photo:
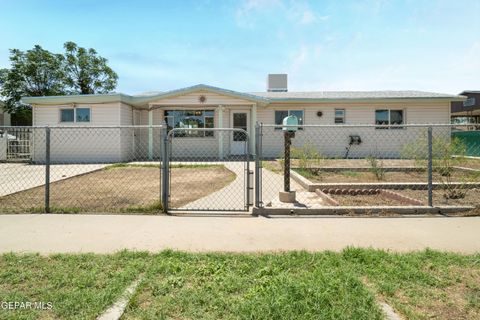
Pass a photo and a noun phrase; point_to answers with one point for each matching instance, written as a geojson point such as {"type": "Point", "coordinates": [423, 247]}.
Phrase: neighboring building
{"type": "Point", "coordinates": [4, 116]}
{"type": "Point", "coordinates": [211, 107]}
{"type": "Point", "coordinates": [467, 111]}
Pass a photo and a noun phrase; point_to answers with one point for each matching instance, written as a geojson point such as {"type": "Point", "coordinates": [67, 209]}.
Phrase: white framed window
{"type": "Point", "coordinates": [67, 115]}
{"type": "Point", "coordinates": [282, 114]}
{"type": "Point", "coordinates": [75, 115]}
{"type": "Point", "coordinates": [190, 119]}
{"type": "Point", "coordinates": [385, 117]}
{"type": "Point", "coordinates": [339, 116]}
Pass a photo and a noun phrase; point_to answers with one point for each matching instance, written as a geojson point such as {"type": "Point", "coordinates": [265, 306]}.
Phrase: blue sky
{"type": "Point", "coordinates": [322, 45]}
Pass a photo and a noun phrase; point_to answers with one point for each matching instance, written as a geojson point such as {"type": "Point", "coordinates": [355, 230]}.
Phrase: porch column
{"type": "Point", "coordinates": [220, 133]}
{"type": "Point", "coordinates": [253, 121]}
{"type": "Point", "coordinates": [150, 134]}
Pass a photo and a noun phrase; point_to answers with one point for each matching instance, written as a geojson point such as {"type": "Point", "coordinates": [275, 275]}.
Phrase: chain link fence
{"type": "Point", "coordinates": [123, 169]}
{"type": "Point", "coordinates": [80, 169]}
{"type": "Point", "coordinates": [209, 170]}
{"type": "Point", "coordinates": [365, 165]}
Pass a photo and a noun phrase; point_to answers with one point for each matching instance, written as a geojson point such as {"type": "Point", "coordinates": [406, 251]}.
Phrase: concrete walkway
{"type": "Point", "coordinates": [15, 177]}
{"type": "Point", "coordinates": [232, 197]}
{"type": "Point", "coordinates": [110, 233]}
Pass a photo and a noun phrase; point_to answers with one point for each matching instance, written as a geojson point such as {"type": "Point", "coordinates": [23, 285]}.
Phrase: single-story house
{"type": "Point", "coordinates": [204, 106]}
{"type": "Point", "coordinates": [4, 115]}
{"type": "Point", "coordinates": [467, 111]}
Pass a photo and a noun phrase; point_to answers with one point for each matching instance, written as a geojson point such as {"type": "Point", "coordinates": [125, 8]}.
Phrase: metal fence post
{"type": "Point", "coordinates": [430, 167]}
{"type": "Point", "coordinates": [165, 170]}
{"type": "Point", "coordinates": [247, 158]}
{"type": "Point", "coordinates": [47, 170]}
{"type": "Point", "coordinates": [258, 169]}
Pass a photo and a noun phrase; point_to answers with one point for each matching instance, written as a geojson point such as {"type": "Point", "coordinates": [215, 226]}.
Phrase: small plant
{"type": "Point", "coordinates": [376, 168]}
{"type": "Point", "coordinates": [447, 153]}
{"type": "Point", "coordinates": [307, 155]}
{"type": "Point", "coordinates": [350, 173]}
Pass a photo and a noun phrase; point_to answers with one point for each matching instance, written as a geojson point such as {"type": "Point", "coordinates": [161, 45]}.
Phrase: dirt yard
{"type": "Point", "coordinates": [317, 175]}
{"type": "Point", "coordinates": [133, 189]}
{"type": "Point", "coordinates": [365, 200]}
{"type": "Point", "coordinates": [472, 197]}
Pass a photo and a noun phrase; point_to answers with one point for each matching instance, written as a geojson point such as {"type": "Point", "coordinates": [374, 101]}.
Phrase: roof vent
{"type": "Point", "coordinates": [277, 82]}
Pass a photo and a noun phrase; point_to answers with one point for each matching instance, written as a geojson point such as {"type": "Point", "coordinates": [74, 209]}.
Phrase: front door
{"type": "Point", "coordinates": [239, 143]}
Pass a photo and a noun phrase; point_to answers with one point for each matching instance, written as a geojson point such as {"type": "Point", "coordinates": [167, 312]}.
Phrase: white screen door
{"type": "Point", "coordinates": [240, 120]}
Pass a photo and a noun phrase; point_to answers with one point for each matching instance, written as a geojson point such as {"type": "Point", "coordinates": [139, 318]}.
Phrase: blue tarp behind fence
{"type": "Point", "coordinates": [471, 139]}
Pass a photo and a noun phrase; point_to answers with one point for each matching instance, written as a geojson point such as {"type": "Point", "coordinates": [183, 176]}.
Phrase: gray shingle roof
{"type": "Point", "coordinates": [389, 94]}
{"type": "Point", "coordinates": [142, 100]}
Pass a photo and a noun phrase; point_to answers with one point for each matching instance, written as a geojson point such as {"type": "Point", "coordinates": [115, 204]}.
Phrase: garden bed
{"type": "Point", "coordinates": [383, 175]}
{"type": "Point", "coordinates": [365, 200]}
{"type": "Point", "coordinates": [472, 197]}
{"type": "Point", "coordinates": [366, 197]}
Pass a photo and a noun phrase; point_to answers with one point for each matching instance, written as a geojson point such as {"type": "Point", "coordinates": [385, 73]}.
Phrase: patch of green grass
{"type": "Point", "coordinates": [294, 285]}
{"type": "Point", "coordinates": [54, 209]}
{"type": "Point", "coordinates": [272, 166]}
{"type": "Point", "coordinates": [196, 166]}
{"type": "Point", "coordinates": [155, 207]}
{"type": "Point", "coordinates": [308, 173]}
{"type": "Point", "coordinates": [151, 165]}
{"type": "Point", "coordinates": [422, 285]}
{"type": "Point", "coordinates": [350, 173]}
{"type": "Point", "coordinates": [131, 165]}
{"type": "Point", "coordinates": [79, 286]}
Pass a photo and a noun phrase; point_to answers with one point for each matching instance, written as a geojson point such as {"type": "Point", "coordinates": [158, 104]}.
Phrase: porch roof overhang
{"type": "Point", "coordinates": [139, 101]}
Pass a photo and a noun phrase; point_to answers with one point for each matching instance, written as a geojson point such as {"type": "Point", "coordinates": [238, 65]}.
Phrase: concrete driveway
{"type": "Point", "coordinates": [49, 233]}
{"type": "Point", "coordinates": [15, 177]}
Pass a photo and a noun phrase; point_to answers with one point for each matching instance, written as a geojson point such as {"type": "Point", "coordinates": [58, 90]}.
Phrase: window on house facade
{"type": "Point", "coordinates": [75, 115]}
{"type": "Point", "coordinates": [385, 117]}
{"type": "Point", "coordinates": [82, 114]}
{"type": "Point", "coordinates": [190, 119]}
{"type": "Point", "coordinates": [67, 115]}
{"type": "Point", "coordinates": [339, 116]}
{"type": "Point", "coordinates": [282, 114]}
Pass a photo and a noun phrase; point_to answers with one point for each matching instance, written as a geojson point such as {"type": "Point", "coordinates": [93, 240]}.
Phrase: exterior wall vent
{"type": "Point", "coordinates": [277, 82]}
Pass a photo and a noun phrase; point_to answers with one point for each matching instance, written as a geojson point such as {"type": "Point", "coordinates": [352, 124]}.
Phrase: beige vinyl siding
{"type": "Point", "coordinates": [333, 141]}
{"type": "Point", "coordinates": [364, 113]}
{"type": "Point", "coordinates": [126, 115]}
{"type": "Point", "coordinates": [76, 142]}
{"type": "Point", "coordinates": [100, 115]}
{"type": "Point", "coordinates": [127, 134]}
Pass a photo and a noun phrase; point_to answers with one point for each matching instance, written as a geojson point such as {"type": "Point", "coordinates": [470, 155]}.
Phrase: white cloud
{"type": "Point", "coordinates": [246, 11]}
{"type": "Point", "coordinates": [301, 13]}
{"type": "Point", "coordinates": [298, 12]}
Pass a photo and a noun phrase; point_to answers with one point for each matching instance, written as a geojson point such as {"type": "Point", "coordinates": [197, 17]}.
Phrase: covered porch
{"type": "Point", "coordinates": [200, 109]}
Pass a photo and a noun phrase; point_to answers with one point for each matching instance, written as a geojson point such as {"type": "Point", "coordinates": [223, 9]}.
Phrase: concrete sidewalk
{"type": "Point", "coordinates": [109, 233]}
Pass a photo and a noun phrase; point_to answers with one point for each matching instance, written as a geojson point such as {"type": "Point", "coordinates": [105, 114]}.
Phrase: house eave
{"type": "Point", "coordinates": [363, 100]}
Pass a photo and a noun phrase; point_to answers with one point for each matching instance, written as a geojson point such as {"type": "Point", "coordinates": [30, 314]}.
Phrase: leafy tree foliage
{"type": "Point", "coordinates": [38, 72]}
{"type": "Point", "coordinates": [86, 71]}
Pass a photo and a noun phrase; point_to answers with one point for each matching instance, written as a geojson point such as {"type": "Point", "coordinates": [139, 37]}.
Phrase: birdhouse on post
{"type": "Point", "coordinates": [290, 126]}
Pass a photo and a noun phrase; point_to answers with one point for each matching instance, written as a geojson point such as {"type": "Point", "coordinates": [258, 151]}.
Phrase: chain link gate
{"type": "Point", "coordinates": [207, 170]}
